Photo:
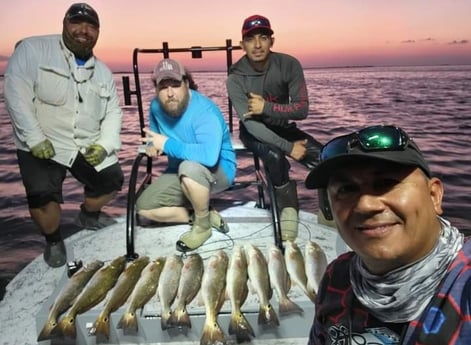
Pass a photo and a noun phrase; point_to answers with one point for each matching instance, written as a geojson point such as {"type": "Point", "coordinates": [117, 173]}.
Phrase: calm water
{"type": "Point", "coordinates": [432, 103]}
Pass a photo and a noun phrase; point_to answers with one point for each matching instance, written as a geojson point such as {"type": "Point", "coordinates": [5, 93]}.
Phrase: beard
{"type": "Point", "coordinates": [82, 50]}
{"type": "Point", "coordinates": [174, 107]}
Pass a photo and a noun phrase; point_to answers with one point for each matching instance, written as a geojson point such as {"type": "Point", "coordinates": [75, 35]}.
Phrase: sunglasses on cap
{"type": "Point", "coordinates": [374, 138]}
{"type": "Point", "coordinates": [250, 24]}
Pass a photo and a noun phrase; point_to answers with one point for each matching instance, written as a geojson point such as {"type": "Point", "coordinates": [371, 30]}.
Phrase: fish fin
{"type": "Point", "coordinates": [287, 306]}
{"type": "Point", "coordinates": [239, 326]}
{"type": "Point", "coordinates": [128, 321]}
{"type": "Point", "coordinates": [267, 316]}
{"type": "Point", "coordinates": [212, 334]}
{"type": "Point", "coordinates": [179, 318]}
{"type": "Point", "coordinates": [46, 331]}
{"type": "Point", "coordinates": [102, 324]}
{"type": "Point", "coordinates": [164, 317]}
{"type": "Point", "coordinates": [66, 327]}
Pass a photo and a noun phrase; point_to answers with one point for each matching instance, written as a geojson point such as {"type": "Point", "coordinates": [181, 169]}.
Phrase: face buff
{"type": "Point", "coordinates": [388, 297]}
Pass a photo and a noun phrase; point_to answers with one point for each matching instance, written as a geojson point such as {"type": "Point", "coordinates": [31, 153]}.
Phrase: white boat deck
{"type": "Point", "coordinates": [32, 291]}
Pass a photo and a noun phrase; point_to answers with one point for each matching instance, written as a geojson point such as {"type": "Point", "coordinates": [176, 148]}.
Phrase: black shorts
{"type": "Point", "coordinates": [43, 178]}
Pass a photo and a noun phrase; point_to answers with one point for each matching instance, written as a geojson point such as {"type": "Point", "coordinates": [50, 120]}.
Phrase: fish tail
{"type": "Point", "coordinates": [66, 327]}
{"type": "Point", "coordinates": [267, 316]}
{"type": "Point", "coordinates": [287, 306]}
{"type": "Point", "coordinates": [212, 334]}
{"type": "Point", "coordinates": [46, 331]}
{"type": "Point", "coordinates": [102, 325]}
{"type": "Point", "coordinates": [180, 318]}
{"type": "Point", "coordinates": [128, 321]}
{"type": "Point", "coordinates": [239, 326]}
{"type": "Point", "coordinates": [164, 323]}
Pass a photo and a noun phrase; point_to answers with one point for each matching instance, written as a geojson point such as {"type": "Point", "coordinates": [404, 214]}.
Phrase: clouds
{"type": "Point", "coordinates": [459, 42]}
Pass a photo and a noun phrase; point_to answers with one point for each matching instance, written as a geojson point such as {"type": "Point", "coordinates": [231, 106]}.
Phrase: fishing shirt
{"type": "Point", "coordinates": [282, 86]}
{"type": "Point", "coordinates": [340, 318]}
{"type": "Point", "coordinates": [200, 134]}
{"type": "Point", "coordinates": [49, 96]}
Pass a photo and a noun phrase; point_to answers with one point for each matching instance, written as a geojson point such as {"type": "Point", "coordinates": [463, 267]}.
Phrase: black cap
{"type": "Point", "coordinates": [409, 156]}
{"type": "Point", "coordinates": [82, 12]}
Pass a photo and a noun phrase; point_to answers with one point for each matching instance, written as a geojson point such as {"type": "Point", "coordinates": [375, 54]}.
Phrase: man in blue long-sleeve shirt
{"type": "Point", "coordinates": [190, 129]}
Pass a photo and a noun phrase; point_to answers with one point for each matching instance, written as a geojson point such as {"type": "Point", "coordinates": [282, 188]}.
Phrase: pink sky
{"type": "Point", "coordinates": [320, 33]}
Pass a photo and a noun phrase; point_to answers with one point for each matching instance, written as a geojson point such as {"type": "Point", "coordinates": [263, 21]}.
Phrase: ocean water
{"type": "Point", "coordinates": [431, 103]}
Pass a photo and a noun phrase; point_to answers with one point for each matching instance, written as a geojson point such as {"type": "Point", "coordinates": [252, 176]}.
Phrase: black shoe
{"type": "Point", "coordinates": [55, 254]}
{"type": "Point", "coordinates": [93, 223]}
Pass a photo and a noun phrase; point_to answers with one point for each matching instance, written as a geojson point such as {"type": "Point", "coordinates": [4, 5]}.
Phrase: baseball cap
{"type": "Point", "coordinates": [84, 12]}
{"type": "Point", "coordinates": [256, 22]}
{"type": "Point", "coordinates": [168, 69]}
{"type": "Point", "coordinates": [385, 143]}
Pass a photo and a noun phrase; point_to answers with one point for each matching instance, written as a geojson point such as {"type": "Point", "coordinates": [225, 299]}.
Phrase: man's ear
{"type": "Point", "coordinates": [436, 194]}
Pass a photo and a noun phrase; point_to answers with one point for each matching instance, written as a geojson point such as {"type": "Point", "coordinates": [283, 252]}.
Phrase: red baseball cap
{"type": "Point", "coordinates": [256, 22]}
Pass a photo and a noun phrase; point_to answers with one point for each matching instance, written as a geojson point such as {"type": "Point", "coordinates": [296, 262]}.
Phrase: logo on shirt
{"type": "Point", "coordinates": [340, 334]}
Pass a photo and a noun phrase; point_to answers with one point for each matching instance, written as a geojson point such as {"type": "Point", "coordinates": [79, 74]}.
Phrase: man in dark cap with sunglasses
{"type": "Point", "coordinates": [407, 279]}
{"type": "Point", "coordinates": [65, 114]}
{"type": "Point", "coordinates": [269, 94]}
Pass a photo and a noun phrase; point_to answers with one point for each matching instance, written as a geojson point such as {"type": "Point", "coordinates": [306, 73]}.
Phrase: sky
{"type": "Point", "coordinates": [319, 33]}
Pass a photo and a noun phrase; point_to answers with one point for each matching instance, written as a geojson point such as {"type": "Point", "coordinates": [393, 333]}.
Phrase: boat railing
{"type": "Point", "coordinates": [262, 180]}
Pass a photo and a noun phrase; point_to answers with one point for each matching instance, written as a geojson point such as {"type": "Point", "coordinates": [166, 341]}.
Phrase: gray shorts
{"type": "Point", "coordinates": [166, 190]}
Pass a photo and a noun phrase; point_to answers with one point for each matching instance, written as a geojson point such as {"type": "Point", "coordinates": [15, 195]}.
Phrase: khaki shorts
{"type": "Point", "coordinates": [166, 190]}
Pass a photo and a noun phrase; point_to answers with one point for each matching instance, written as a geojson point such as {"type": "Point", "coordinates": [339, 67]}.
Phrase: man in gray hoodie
{"type": "Point", "coordinates": [269, 92]}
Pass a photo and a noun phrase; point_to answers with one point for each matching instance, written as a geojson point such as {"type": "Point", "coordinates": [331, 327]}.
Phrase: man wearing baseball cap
{"type": "Point", "coordinates": [269, 94]}
{"type": "Point", "coordinates": [191, 131]}
{"type": "Point", "coordinates": [408, 276]}
{"type": "Point", "coordinates": [66, 116]}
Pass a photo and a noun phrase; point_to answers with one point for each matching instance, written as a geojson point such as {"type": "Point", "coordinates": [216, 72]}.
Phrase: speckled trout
{"type": "Point", "coordinates": [120, 293]}
{"type": "Point", "coordinates": [144, 290]}
{"type": "Point", "coordinates": [67, 295]}
{"type": "Point", "coordinates": [296, 267]}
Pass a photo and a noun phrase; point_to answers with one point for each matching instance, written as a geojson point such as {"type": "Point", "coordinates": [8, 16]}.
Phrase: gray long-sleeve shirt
{"type": "Point", "coordinates": [49, 96]}
{"type": "Point", "coordinates": [283, 88]}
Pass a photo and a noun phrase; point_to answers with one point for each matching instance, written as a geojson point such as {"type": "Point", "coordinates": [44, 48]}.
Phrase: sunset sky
{"type": "Point", "coordinates": [320, 33]}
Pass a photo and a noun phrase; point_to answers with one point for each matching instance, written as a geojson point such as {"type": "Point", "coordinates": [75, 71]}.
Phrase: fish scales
{"type": "Point", "coordinates": [259, 279]}
{"type": "Point", "coordinates": [120, 293]}
{"type": "Point", "coordinates": [67, 295]}
{"type": "Point", "coordinates": [145, 289]}
{"type": "Point", "coordinates": [94, 292]}
{"type": "Point", "coordinates": [213, 291]}
{"type": "Point", "coordinates": [237, 291]}
{"type": "Point", "coordinates": [189, 285]}
{"type": "Point", "coordinates": [168, 286]}
{"type": "Point", "coordinates": [296, 267]}
{"type": "Point", "coordinates": [279, 280]}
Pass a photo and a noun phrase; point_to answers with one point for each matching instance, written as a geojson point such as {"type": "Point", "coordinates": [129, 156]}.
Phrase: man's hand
{"type": "Point", "coordinates": [95, 154]}
{"type": "Point", "coordinates": [158, 140]}
{"type": "Point", "coordinates": [43, 150]}
{"type": "Point", "coordinates": [299, 150]}
{"type": "Point", "coordinates": [255, 104]}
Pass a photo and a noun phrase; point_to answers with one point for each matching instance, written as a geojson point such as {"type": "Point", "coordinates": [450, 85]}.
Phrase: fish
{"type": "Point", "coordinates": [280, 281]}
{"type": "Point", "coordinates": [237, 291]}
{"type": "Point", "coordinates": [260, 281]}
{"type": "Point", "coordinates": [144, 290]}
{"type": "Point", "coordinates": [296, 267]}
{"type": "Point", "coordinates": [94, 292]}
{"type": "Point", "coordinates": [67, 295]}
{"type": "Point", "coordinates": [120, 293]}
{"type": "Point", "coordinates": [213, 288]}
{"type": "Point", "coordinates": [168, 286]}
{"type": "Point", "coordinates": [189, 285]}
{"type": "Point", "coordinates": [316, 264]}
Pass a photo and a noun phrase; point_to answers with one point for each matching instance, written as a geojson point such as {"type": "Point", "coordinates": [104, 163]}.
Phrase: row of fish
{"type": "Point", "coordinates": [178, 281]}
